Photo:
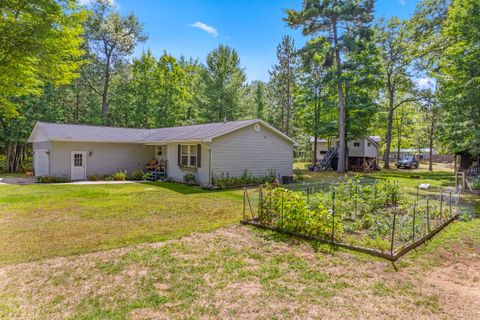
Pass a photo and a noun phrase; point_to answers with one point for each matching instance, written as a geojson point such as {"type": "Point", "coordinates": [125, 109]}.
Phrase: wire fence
{"type": "Point", "coordinates": [379, 218]}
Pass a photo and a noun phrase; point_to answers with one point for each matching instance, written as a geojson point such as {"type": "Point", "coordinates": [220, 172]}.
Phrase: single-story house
{"type": "Point", "coordinates": [368, 146]}
{"type": "Point", "coordinates": [206, 150]}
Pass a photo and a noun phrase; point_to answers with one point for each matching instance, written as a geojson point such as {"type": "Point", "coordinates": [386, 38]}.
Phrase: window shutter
{"type": "Point", "coordinates": [199, 155]}
{"type": "Point", "coordinates": [179, 155]}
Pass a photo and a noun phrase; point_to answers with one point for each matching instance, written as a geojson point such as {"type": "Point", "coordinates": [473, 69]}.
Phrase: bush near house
{"type": "Point", "coordinates": [52, 179]}
{"type": "Point", "coordinates": [138, 175]}
{"type": "Point", "coordinates": [119, 176]}
{"type": "Point", "coordinates": [189, 178]}
{"type": "Point", "coordinates": [225, 181]}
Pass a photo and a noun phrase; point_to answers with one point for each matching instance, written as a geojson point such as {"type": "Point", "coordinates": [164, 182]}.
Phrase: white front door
{"type": "Point", "coordinates": [41, 163]}
{"type": "Point", "coordinates": [78, 165]}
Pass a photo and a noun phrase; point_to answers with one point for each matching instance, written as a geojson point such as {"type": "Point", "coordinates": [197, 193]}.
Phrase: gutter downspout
{"type": "Point", "coordinates": [210, 159]}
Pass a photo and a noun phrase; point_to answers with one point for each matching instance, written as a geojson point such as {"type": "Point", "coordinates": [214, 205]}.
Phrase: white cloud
{"type": "Point", "coordinates": [205, 27]}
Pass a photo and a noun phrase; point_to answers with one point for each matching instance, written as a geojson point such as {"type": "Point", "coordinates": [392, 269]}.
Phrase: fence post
{"type": "Point", "coordinates": [441, 208]}
{"type": "Point", "coordinates": [308, 196]}
{"type": "Point", "coordinates": [417, 193]}
{"type": "Point", "coordinates": [333, 215]}
{"type": "Point", "coordinates": [356, 200]}
{"type": "Point", "coordinates": [244, 200]}
{"type": "Point", "coordinates": [450, 203]}
{"type": "Point", "coordinates": [428, 215]}
{"type": "Point", "coordinates": [413, 225]}
{"type": "Point", "coordinates": [393, 230]}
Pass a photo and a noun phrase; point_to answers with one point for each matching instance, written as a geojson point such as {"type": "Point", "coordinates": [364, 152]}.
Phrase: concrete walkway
{"type": "Point", "coordinates": [32, 180]}
{"type": "Point", "coordinates": [17, 181]}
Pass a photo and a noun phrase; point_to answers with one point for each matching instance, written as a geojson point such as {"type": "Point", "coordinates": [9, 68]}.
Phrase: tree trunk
{"type": "Point", "coordinates": [341, 105]}
{"type": "Point", "coordinates": [388, 138]}
{"type": "Point", "coordinates": [315, 131]}
{"type": "Point", "coordinates": [105, 91]}
{"type": "Point", "coordinates": [13, 156]}
{"type": "Point", "coordinates": [430, 142]}
{"type": "Point", "coordinates": [399, 138]}
{"type": "Point", "coordinates": [287, 111]}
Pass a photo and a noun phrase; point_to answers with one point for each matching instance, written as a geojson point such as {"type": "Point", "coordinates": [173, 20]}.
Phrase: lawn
{"type": "Point", "coordinates": [100, 252]}
{"type": "Point", "coordinates": [239, 272]}
{"type": "Point", "coordinates": [42, 221]}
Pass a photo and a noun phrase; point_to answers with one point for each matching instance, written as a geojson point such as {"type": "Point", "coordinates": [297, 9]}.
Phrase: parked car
{"type": "Point", "coordinates": [408, 162]}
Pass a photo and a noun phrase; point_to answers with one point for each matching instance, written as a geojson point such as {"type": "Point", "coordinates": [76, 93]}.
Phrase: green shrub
{"type": "Point", "coordinates": [93, 178]}
{"type": "Point", "coordinates": [52, 179]}
{"type": "Point", "coordinates": [138, 175]}
{"type": "Point", "coordinates": [189, 178]}
{"type": "Point", "coordinates": [246, 179]}
{"type": "Point", "coordinates": [119, 176]}
{"type": "Point", "coordinates": [147, 176]}
{"type": "Point", "coordinates": [475, 184]}
{"type": "Point", "coordinates": [290, 211]}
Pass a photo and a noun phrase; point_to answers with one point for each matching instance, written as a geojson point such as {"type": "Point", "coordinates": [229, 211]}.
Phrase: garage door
{"type": "Point", "coordinates": [41, 162]}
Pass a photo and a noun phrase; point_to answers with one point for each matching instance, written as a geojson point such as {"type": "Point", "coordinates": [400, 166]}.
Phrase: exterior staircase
{"type": "Point", "coordinates": [326, 162]}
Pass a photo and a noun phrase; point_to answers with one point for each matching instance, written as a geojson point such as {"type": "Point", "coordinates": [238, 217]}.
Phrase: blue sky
{"type": "Point", "coordinates": [252, 27]}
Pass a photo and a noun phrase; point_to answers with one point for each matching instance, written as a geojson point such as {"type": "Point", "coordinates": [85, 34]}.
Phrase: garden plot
{"type": "Point", "coordinates": [373, 216]}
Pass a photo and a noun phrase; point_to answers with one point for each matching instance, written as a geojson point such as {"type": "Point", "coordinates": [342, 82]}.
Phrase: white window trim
{"type": "Point", "coordinates": [189, 156]}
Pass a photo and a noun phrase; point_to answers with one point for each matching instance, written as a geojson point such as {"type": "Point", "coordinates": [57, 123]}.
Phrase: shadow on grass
{"type": "Point", "coordinates": [177, 187]}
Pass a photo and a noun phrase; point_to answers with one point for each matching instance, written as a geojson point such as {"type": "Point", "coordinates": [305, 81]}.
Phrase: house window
{"type": "Point", "coordinates": [356, 144]}
{"type": "Point", "coordinates": [78, 160]}
{"type": "Point", "coordinates": [188, 156]}
{"type": "Point", "coordinates": [369, 144]}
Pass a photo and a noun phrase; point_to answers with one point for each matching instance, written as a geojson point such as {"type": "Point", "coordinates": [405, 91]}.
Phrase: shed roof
{"type": "Point", "coordinates": [88, 133]}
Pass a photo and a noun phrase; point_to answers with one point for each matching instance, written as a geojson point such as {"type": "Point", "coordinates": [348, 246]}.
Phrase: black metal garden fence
{"type": "Point", "coordinates": [379, 218]}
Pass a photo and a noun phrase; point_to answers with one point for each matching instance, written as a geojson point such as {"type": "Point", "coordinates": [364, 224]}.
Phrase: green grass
{"type": "Point", "coordinates": [41, 221]}
{"type": "Point", "coordinates": [441, 178]}
{"type": "Point", "coordinates": [236, 272]}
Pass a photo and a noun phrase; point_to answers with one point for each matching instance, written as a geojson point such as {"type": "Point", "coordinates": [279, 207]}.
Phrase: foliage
{"type": "Point", "coordinates": [110, 38]}
{"type": "Point", "coordinates": [138, 175]}
{"type": "Point", "coordinates": [394, 42]}
{"type": "Point", "coordinates": [365, 212]}
{"type": "Point", "coordinates": [119, 176]}
{"type": "Point", "coordinates": [283, 78]}
{"type": "Point", "coordinates": [39, 43]}
{"type": "Point", "coordinates": [52, 179]}
{"type": "Point", "coordinates": [221, 91]}
{"type": "Point", "coordinates": [342, 32]}
{"type": "Point", "coordinates": [225, 181]}
{"type": "Point", "coordinates": [189, 178]}
{"type": "Point", "coordinates": [290, 211]}
{"type": "Point", "coordinates": [459, 76]}
{"type": "Point", "coordinates": [94, 178]}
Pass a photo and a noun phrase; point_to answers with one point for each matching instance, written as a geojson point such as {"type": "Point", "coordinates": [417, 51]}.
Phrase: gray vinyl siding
{"type": "Point", "coordinates": [356, 151]}
{"type": "Point", "coordinates": [256, 152]}
{"type": "Point", "coordinates": [176, 173]}
{"type": "Point", "coordinates": [372, 150]}
{"type": "Point", "coordinates": [105, 158]}
{"type": "Point", "coordinates": [44, 145]}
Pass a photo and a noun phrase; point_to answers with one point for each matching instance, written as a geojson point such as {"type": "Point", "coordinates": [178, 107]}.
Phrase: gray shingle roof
{"type": "Point", "coordinates": [74, 132]}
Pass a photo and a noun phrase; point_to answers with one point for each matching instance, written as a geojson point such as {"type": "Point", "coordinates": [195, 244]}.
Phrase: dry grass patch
{"type": "Point", "coordinates": [240, 272]}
